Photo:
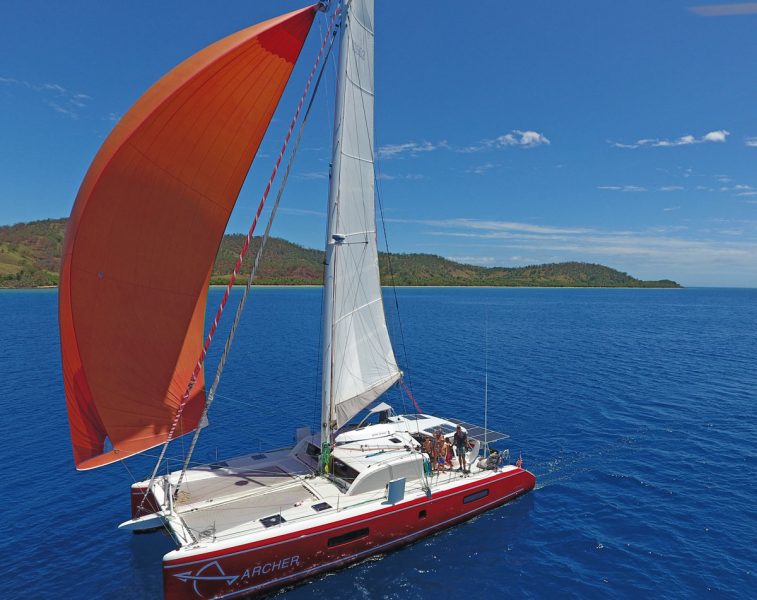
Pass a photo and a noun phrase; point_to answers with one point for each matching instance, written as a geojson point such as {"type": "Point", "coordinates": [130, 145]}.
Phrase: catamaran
{"type": "Point", "coordinates": [138, 255]}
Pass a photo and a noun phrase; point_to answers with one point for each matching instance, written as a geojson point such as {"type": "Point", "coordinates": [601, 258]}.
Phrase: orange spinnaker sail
{"type": "Point", "coordinates": [144, 232]}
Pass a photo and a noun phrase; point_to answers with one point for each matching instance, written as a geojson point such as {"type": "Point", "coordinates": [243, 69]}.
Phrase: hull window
{"type": "Point", "coordinates": [348, 537]}
{"type": "Point", "coordinates": [476, 496]}
{"type": "Point", "coordinates": [422, 514]}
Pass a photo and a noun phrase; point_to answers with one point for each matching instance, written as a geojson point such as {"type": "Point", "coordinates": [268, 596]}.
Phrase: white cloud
{"type": "Point", "coordinates": [622, 188]}
{"type": "Point", "coordinates": [751, 142]}
{"type": "Point", "coordinates": [481, 169]}
{"type": "Point", "coordinates": [389, 151]}
{"type": "Point", "coordinates": [406, 177]}
{"type": "Point", "coordinates": [517, 138]}
{"type": "Point", "coordinates": [303, 212]}
{"type": "Point", "coordinates": [671, 208]}
{"type": "Point", "coordinates": [671, 188]}
{"type": "Point", "coordinates": [703, 257]}
{"type": "Point", "coordinates": [310, 175]}
{"type": "Point", "coordinates": [717, 136]}
{"type": "Point", "coordinates": [57, 97]}
{"type": "Point", "coordinates": [473, 260]}
{"type": "Point", "coordinates": [725, 10]}
{"type": "Point", "coordinates": [739, 188]}
{"type": "Point", "coordinates": [489, 225]}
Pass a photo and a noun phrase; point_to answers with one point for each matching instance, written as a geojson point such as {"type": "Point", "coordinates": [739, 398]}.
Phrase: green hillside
{"type": "Point", "coordinates": [30, 253]}
{"type": "Point", "coordinates": [30, 257]}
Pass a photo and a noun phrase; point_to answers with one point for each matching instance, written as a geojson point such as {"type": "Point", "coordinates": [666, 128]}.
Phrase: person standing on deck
{"type": "Point", "coordinates": [438, 449]}
{"type": "Point", "coordinates": [460, 440]}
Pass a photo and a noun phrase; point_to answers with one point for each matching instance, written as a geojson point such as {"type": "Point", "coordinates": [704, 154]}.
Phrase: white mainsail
{"type": "Point", "coordinates": [358, 359]}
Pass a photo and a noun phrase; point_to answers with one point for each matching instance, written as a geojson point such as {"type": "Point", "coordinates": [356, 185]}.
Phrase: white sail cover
{"type": "Point", "coordinates": [359, 363]}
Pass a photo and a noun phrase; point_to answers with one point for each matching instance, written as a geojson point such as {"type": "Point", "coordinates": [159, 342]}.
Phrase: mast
{"type": "Point", "coordinates": [328, 284]}
{"type": "Point", "coordinates": [357, 355]}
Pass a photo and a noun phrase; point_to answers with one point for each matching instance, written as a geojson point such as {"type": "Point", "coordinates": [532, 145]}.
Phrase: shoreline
{"type": "Point", "coordinates": [437, 287]}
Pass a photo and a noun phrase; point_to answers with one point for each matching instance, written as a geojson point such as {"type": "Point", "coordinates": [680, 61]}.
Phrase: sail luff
{"type": "Point", "coordinates": [358, 359]}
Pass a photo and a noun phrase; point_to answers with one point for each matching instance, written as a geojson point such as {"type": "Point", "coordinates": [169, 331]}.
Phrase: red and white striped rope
{"type": "Point", "coordinates": [410, 395]}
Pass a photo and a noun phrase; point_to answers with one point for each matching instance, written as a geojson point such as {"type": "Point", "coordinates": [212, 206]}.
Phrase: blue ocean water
{"type": "Point", "coordinates": [634, 408]}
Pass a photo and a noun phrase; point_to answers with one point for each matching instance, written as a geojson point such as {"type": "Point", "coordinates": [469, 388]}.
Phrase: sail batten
{"type": "Point", "coordinates": [144, 233]}
{"type": "Point", "coordinates": [358, 359]}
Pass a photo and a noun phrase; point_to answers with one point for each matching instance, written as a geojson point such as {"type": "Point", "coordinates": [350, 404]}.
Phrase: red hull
{"type": "Point", "coordinates": [249, 569]}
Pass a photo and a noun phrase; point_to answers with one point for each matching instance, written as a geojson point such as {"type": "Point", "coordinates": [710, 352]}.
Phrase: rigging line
{"type": "Point", "coordinates": [256, 264]}
{"type": "Point", "coordinates": [133, 479]}
{"type": "Point", "coordinates": [486, 381]}
{"type": "Point", "coordinates": [237, 400]}
{"type": "Point", "coordinates": [377, 182]}
{"type": "Point", "coordinates": [318, 361]}
{"type": "Point", "coordinates": [240, 259]}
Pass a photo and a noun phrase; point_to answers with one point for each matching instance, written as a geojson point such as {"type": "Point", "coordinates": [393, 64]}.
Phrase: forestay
{"type": "Point", "coordinates": [358, 360]}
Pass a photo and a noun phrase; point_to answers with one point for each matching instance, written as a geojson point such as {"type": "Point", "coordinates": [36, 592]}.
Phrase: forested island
{"type": "Point", "coordinates": [30, 257]}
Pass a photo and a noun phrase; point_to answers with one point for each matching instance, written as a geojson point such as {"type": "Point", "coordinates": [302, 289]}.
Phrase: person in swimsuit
{"type": "Point", "coordinates": [428, 447]}
{"type": "Point", "coordinates": [438, 455]}
{"type": "Point", "coordinates": [447, 455]}
{"type": "Point", "coordinates": [460, 439]}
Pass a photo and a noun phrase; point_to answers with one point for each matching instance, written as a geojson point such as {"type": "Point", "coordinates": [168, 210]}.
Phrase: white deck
{"type": "Point", "coordinates": [222, 504]}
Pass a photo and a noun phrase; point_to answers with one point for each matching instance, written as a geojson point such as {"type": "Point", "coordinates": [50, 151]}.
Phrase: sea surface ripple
{"type": "Point", "coordinates": [636, 410]}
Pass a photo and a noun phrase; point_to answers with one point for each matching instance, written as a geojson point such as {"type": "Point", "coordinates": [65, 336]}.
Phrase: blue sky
{"type": "Point", "coordinates": [509, 133]}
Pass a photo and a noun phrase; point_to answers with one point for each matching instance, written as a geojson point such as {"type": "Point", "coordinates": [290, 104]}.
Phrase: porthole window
{"type": "Point", "coordinates": [348, 537]}
{"type": "Point", "coordinates": [476, 496]}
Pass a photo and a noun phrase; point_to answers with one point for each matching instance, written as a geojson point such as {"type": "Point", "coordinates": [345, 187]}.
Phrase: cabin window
{"type": "Point", "coordinates": [422, 514]}
{"type": "Point", "coordinates": [476, 496]}
{"type": "Point", "coordinates": [321, 506]}
{"type": "Point", "coordinates": [344, 471]}
{"type": "Point", "coordinates": [313, 450]}
{"type": "Point", "coordinates": [348, 537]}
{"type": "Point", "coordinates": [395, 440]}
{"type": "Point", "coordinates": [272, 520]}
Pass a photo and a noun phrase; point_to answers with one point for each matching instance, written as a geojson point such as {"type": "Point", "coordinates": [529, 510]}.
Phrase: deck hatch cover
{"type": "Point", "coordinates": [272, 520]}
{"type": "Point", "coordinates": [321, 506]}
{"type": "Point", "coordinates": [413, 417]}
